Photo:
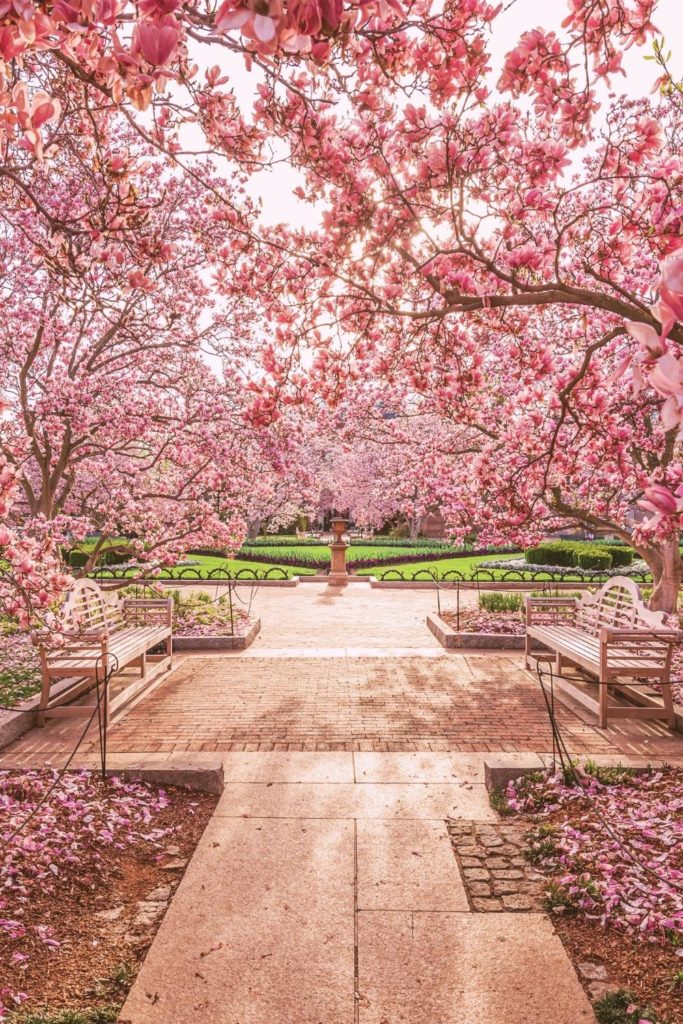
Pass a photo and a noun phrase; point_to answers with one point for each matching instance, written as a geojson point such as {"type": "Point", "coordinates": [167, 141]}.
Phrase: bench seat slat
{"type": "Point", "coordinates": [124, 647]}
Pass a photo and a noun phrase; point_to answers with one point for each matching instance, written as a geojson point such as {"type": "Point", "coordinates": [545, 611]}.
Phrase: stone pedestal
{"type": "Point", "coordinates": [338, 574]}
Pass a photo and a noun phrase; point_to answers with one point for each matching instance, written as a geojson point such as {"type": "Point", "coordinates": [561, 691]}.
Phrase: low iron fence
{"type": "Point", "coordinates": [196, 573]}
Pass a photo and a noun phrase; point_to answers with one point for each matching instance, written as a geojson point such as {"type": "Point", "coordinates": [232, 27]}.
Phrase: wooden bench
{"type": "Point", "coordinates": [103, 635]}
{"type": "Point", "coordinates": [612, 636]}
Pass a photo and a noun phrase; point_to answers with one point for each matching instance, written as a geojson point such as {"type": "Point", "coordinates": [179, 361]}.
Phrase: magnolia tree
{"type": "Point", "coordinates": [384, 468]}
{"type": "Point", "coordinates": [167, 63]}
{"type": "Point", "coordinates": [460, 233]}
{"type": "Point", "coordinates": [116, 422]}
{"type": "Point", "coordinates": [284, 465]}
{"type": "Point", "coordinates": [31, 577]}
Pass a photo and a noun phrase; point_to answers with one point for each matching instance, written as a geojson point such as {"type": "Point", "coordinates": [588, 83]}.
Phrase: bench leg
{"type": "Point", "coordinates": [668, 702]}
{"type": "Point", "coordinates": [44, 691]}
{"type": "Point", "coordinates": [143, 665]}
{"type": "Point", "coordinates": [169, 652]}
{"type": "Point", "coordinates": [527, 650]}
{"type": "Point", "coordinates": [602, 704]}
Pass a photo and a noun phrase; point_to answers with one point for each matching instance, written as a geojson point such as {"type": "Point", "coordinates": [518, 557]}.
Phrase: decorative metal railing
{"type": "Point", "coordinates": [198, 574]}
{"type": "Point", "coordinates": [568, 575]}
{"type": "Point", "coordinates": [112, 572]}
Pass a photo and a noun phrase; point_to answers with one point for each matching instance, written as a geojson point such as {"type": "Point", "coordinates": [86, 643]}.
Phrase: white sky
{"type": "Point", "coordinates": [275, 188]}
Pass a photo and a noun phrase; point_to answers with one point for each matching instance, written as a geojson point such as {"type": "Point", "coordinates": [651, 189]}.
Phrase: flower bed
{"type": "Point", "coordinates": [481, 621]}
{"type": "Point", "coordinates": [71, 927]}
{"type": "Point", "coordinates": [611, 846]}
{"type": "Point", "coordinates": [638, 568]}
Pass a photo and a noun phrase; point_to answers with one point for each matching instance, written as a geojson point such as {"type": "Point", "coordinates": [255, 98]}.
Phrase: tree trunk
{"type": "Point", "coordinates": [414, 525]}
{"type": "Point", "coordinates": [664, 560]}
{"type": "Point", "coordinates": [253, 528]}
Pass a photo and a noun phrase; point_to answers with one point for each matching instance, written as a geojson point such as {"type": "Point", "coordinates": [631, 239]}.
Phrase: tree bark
{"type": "Point", "coordinates": [414, 525]}
{"type": "Point", "coordinates": [664, 560]}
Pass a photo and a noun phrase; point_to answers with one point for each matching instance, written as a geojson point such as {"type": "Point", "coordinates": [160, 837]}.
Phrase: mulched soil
{"type": "Point", "coordinates": [486, 622]}
{"type": "Point", "coordinates": [646, 968]}
{"type": "Point", "coordinates": [98, 958]}
{"type": "Point", "coordinates": [646, 971]}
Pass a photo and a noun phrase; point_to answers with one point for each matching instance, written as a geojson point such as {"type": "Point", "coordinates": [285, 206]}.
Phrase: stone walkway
{"type": "Point", "coordinates": [325, 891]}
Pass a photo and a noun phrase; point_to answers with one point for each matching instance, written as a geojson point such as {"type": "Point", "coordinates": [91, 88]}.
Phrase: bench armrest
{"type": "Point", "coordinates": [616, 634]}
{"type": "Point", "coordinates": [547, 604]}
{"type": "Point", "coordinates": [40, 637]}
{"type": "Point", "coordinates": [144, 604]}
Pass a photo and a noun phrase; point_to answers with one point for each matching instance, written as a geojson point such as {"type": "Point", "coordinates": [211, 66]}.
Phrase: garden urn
{"type": "Point", "coordinates": [338, 548]}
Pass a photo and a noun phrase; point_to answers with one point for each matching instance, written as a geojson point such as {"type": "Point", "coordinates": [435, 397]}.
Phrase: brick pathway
{"type": "Point", "coordinates": [450, 703]}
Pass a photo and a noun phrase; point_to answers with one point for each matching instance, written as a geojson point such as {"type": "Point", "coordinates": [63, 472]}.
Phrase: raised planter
{"type": "Point", "coordinates": [217, 643]}
{"type": "Point", "coordinates": [451, 639]}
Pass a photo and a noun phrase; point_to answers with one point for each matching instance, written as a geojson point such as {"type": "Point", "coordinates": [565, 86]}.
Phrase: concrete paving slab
{"type": "Point", "coordinates": [323, 800]}
{"type": "Point", "coordinates": [465, 969]}
{"type": "Point", "coordinates": [419, 767]}
{"type": "Point", "coordinates": [261, 929]}
{"type": "Point", "coordinates": [407, 865]}
{"type": "Point", "coordinates": [288, 766]}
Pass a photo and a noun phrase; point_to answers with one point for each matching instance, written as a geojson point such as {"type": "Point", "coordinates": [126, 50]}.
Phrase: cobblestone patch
{"type": "Point", "coordinates": [497, 876]}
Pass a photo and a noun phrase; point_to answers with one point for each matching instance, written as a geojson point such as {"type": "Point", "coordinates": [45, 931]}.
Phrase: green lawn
{"type": "Point", "coordinates": [466, 566]}
{"type": "Point", "coordinates": [234, 565]}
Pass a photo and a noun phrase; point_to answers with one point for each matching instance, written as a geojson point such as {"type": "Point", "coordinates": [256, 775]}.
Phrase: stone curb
{"type": "Point", "coordinates": [294, 581]}
{"type": "Point", "coordinates": [207, 777]}
{"type": "Point", "coordinates": [201, 771]}
{"type": "Point", "coordinates": [450, 639]}
{"type": "Point", "coordinates": [331, 582]}
{"type": "Point", "coordinates": [217, 643]}
{"type": "Point", "coordinates": [477, 585]}
{"type": "Point", "coordinates": [499, 771]}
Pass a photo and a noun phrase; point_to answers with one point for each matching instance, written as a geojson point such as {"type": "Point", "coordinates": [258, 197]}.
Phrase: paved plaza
{"type": "Point", "coordinates": [349, 669]}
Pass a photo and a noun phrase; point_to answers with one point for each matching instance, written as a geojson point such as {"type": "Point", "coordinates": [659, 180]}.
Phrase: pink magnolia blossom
{"type": "Point", "coordinates": [671, 285]}
{"type": "Point", "coordinates": [158, 40]}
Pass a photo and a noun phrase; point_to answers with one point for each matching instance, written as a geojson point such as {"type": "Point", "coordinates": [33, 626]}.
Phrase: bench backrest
{"type": "Point", "coordinates": [89, 609]}
{"type": "Point", "coordinates": [618, 604]}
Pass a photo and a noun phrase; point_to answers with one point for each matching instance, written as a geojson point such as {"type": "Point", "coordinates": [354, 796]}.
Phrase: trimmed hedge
{"type": "Point", "coordinates": [620, 555]}
{"type": "Point", "coordinates": [77, 559]}
{"type": "Point", "coordinates": [584, 554]}
{"type": "Point", "coordinates": [594, 560]}
{"type": "Point", "coordinates": [552, 553]}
